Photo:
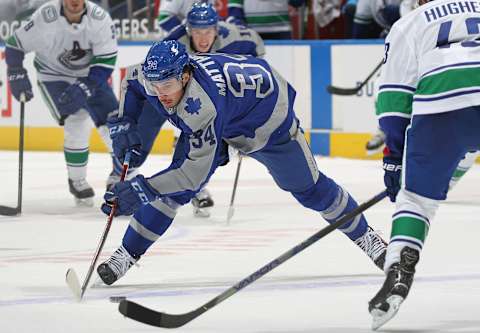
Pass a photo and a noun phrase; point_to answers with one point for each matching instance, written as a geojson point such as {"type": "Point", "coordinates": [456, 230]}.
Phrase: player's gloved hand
{"type": "Point", "coordinates": [75, 96]}
{"type": "Point", "coordinates": [392, 167]}
{"type": "Point", "coordinates": [129, 196]}
{"type": "Point", "coordinates": [125, 137]}
{"type": "Point", "coordinates": [19, 83]}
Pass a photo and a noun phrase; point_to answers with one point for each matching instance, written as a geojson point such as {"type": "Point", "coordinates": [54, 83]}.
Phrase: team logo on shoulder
{"type": "Point", "coordinates": [28, 26]}
{"type": "Point", "coordinates": [49, 14]}
{"type": "Point", "coordinates": [223, 32]}
{"type": "Point", "coordinates": [98, 13]}
{"type": "Point", "coordinates": [193, 105]}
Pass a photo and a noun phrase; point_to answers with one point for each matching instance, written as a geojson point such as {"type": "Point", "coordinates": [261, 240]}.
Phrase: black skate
{"type": "Point", "coordinates": [376, 143]}
{"type": "Point", "coordinates": [82, 192]}
{"type": "Point", "coordinates": [374, 246]}
{"type": "Point", "coordinates": [384, 306]}
{"type": "Point", "coordinates": [202, 203]}
{"type": "Point", "coordinates": [116, 266]}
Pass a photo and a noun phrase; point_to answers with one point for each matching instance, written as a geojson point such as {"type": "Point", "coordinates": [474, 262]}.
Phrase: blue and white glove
{"type": "Point", "coordinates": [19, 83]}
{"type": "Point", "coordinates": [129, 196]}
{"type": "Point", "coordinates": [392, 167]}
{"type": "Point", "coordinates": [125, 137]}
{"type": "Point", "coordinates": [75, 96]}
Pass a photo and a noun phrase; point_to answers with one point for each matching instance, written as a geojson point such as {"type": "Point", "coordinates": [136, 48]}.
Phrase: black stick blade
{"type": "Point", "coordinates": [9, 211]}
{"type": "Point", "coordinates": [148, 316]}
{"type": "Point", "coordinates": [343, 91]}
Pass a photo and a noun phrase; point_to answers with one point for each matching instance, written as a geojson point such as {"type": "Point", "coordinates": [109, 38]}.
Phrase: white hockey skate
{"type": "Point", "coordinates": [376, 143]}
{"type": "Point", "coordinates": [116, 266]}
{"type": "Point", "coordinates": [374, 246]}
{"type": "Point", "coordinates": [202, 204]}
{"type": "Point", "coordinates": [82, 192]}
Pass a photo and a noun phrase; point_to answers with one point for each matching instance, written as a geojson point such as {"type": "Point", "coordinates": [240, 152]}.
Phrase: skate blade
{"type": "Point", "coordinates": [379, 317]}
{"type": "Point", "coordinates": [201, 212]}
{"type": "Point", "coordinates": [85, 202]}
{"type": "Point", "coordinates": [73, 284]}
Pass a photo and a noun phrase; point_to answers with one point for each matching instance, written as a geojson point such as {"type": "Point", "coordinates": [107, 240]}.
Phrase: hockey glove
{"type": "Point", "coordinates": [129, 196]}
{"type": "Point", "coordinates": [19, 83]}
{"type": "Point", "coordinates": [125, 137]}
{"type": "Point", "coordinates": [392, 167]}
{"type": "Point", "coordinates": [75, 96]}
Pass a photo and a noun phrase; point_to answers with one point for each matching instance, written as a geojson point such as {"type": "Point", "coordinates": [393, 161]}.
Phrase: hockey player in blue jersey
{"type": "Point", "coordinates": [203, 32]}
{"type": "Point", "coordinates": [215, 100]}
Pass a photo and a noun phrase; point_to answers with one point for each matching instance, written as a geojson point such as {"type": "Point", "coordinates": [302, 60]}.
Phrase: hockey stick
{"type": "Point", "coordinates": [352, 91]}
{"type": "Point", "coordinates": [231, 209]}
{"type": "Point", "coordinates": [12, 211]}
{"type": "Point", "coordinates": [161, 319]}
{"type": "Point", "coordinates": [71, 277]}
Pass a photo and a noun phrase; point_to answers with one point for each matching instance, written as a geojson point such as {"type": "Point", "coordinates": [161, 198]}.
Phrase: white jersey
{"type": "Point", "coordinates": [432, 60]}
{"type": "Point", "coordinates": [264, 16]}
{"type": "Point", "coordinates": [65, 51]}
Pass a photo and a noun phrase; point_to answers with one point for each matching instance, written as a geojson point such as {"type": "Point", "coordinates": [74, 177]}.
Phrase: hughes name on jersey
{"type": "Point", "coordinates": [431, 64]}
{"type": "Point", "coordinates": [64, 50]}
{"type": "Point", "coordinates": [238, 99]}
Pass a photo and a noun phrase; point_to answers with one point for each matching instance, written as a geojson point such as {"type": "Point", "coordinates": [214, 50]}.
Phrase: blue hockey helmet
{"type": "Point", "coordinates": [202, 15]}
{"type": "Point", "coordinates": [165, 60]}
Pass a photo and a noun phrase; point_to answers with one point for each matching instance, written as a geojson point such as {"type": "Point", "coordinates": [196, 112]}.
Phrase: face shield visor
{"type": "Point", "coordinates": [164, 87]}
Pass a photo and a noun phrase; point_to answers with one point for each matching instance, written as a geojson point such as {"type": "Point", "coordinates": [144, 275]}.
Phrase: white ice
{"type": "Point", "coordinates": [323, 289]}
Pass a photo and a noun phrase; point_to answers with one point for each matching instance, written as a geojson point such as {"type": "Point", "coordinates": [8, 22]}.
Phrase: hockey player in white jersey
{"type": "Point", "coordinates": [75, 52]}
{"type": "Point", "coordinates": [429, 109]}
{"type": "Point", "coordinates": [270, 18]}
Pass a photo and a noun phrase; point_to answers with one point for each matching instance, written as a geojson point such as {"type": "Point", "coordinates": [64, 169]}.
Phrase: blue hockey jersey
{"type": "Point", "coordinates": [237, 99]}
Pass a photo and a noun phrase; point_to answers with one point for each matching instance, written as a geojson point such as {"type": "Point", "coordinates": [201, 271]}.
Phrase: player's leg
{"type": "Point", "coordinates": [293, 167]}
{"type": "Point", "coordinates": [426, 176]}
{"type": "Point", "coordinates": [462, 168]}
{"type": "Point", "coordinates": [146, 225]}
{"type": "Point", "coordinates": [77, 128]}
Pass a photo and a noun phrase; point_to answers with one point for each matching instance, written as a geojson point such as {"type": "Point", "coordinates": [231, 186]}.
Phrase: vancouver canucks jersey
{"type": "Point", "coordinates": [62, 50]}
{"type": "Point", "coordinates": [230, 39]}
{"type": "Point", "coordinates": [431, 63]}
{"type": "Point", "coordinates": [263, 16]}
{"type": "Point", "coordinates": [237, 99]}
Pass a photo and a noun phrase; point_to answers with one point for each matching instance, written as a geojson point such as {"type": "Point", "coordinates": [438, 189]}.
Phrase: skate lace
{"type": "Point", "coordinates": [120, 261]}
{"type": "Point", "coordinates": [371, 243]}
{"type": "Point", "coordinates": [80, 184]}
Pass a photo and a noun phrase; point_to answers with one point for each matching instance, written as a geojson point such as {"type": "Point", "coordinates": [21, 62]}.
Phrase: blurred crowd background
{"type": "Point", "coordinates": [306, 19]}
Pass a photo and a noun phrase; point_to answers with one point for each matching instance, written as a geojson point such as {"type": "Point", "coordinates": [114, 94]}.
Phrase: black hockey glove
{"type": "Point", "coordinates": [125, 137]}
{"type": "Point", "coordinates": [19, 83]}
{"type": "Point", "coordinates": [129, 196]}
{"type": "Point", "coordinates": [392, 167]}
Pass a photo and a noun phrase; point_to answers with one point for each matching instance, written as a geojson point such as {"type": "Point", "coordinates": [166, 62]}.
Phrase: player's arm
{"type": "Point", "coordinates": [396, 88]}
{"type": "Point", "coordinates": [194, 160]}
{"type": "Point", "coordinates": [168, 15]}
{"type": "Point", "coordinates": [236, 15]}
{"type": "Point", "coordinates": [123, 126]}
{"type": "Point", "coordinates": [104, 47]}
{"type": "Point", "coordinates": [25, 39]}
